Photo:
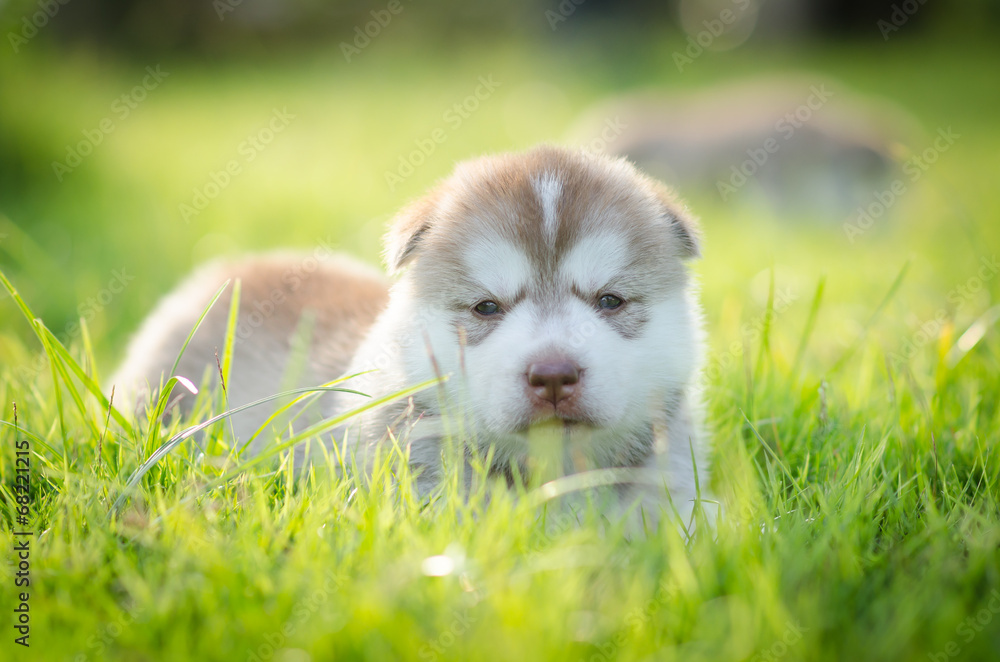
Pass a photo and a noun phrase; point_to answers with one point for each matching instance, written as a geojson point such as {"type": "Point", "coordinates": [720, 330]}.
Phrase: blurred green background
{"type": "Point", "coordinates": [874, 522]}
{"type": "Point", "coordinates": [225, 68]}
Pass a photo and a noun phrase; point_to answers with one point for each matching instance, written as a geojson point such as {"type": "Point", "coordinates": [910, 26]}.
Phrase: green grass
{"type": "Point", "coordinates": [860, 477]}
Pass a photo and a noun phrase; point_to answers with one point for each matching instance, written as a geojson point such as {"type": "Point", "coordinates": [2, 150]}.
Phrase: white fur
{"type": "Point", "coordinates": [499, 266]}
{"type": "Point", "coordinates": [549, 188]}
{"type": "Point", "coordinates": [595, 261]}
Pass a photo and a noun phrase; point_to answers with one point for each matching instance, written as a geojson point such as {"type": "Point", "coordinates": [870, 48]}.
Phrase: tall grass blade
{"type": "Point", "coordinates": [800, 352]}
{"type": "Point", "coordinates": [196, 326]}
{"type": "Point", "coordinates": [893, 289]}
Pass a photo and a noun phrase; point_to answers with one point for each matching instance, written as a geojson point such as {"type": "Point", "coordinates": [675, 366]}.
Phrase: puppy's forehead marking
{"type": "Point", "coordinates": [548, 188]}
{"type": "Point", "coordinates": [595, 260]}
{"type": "Point", "coordinates": [498, 265]}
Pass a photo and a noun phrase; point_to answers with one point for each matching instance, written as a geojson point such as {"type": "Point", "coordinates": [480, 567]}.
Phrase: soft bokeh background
{"type": "Point", "coordinates": [323, 178]}
{"type": "Point", "coordinates": [855, 448]}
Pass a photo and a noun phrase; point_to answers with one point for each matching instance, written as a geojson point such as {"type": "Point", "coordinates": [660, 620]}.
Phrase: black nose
{"type": "Point", "coordinates": [553, 380]}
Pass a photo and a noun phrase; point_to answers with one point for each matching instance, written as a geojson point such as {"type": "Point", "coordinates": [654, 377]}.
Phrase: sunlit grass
{"type": "Point", "coordinates": [854, 440]}
{"type": "Point", "coordinates": [849, 530]}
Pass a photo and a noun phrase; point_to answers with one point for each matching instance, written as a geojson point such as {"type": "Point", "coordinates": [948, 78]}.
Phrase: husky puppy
{"type": "Point", "coordinates": [549, 286]}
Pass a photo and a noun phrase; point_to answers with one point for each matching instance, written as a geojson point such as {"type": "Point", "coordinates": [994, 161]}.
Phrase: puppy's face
{"type": "Point", "coordinates": [551, 285]}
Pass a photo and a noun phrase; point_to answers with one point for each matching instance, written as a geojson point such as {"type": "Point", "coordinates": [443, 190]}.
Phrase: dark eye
{"type": "Point", "coordinates": [609, 302]}
{"type": "Point", "coordinates": [487, 308]}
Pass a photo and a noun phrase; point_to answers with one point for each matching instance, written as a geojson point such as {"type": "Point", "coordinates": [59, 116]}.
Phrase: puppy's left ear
{"type": "Point", "coordinates": [407, 230]}
{"type": "Point", "coordinates": [681, 223]}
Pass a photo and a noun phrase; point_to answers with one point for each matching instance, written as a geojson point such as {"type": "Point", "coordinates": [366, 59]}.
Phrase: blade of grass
{"type": "Point", "coordinates": [38, 441]}
{"type": "Point", "coordinates": [234, 310]}
{"type": "Point", "coordinates": [765, 333]}
{"type": "Point", "coordinates": [308, 394]}
{"type": "Point", "coordinates": [328, 424]}
{"type": "Point", "coordinates": [88, 351]}
{"type": "Point", "coordinates": [227, 351]}
{"type": "Point", "coordinates": [67, 381]}
{"type": "Point", "coordinates": [41, 331]}
{"type": "Point", "coordinates": [849, 352]}
{"type": "Point", "coordinates": [774, 456]}
{"type": "Point", "coordinates": [30, 317]}
{"type": "Point", "coordinates": [153, 432]}
{"type": "Point", "coordinates": [196, 326]}
{"type": "Point", "coordinates": [91, 385]}
{"type": "Point", "coordinates": [808, 329]}
{"type": "Point", "coordinates": [174, 441]}
{"type": "Point", "coordinates": [316, 429]}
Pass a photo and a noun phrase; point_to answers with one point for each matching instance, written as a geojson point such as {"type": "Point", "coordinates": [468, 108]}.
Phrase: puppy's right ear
{"type": "Point", "coordinates": [407, 231]}
{"type": "Point", "coordinates": [681, 223]}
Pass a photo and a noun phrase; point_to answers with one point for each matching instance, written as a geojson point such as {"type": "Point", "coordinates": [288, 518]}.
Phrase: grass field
{"type": "Point", "coordinates": [854, 424]}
